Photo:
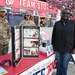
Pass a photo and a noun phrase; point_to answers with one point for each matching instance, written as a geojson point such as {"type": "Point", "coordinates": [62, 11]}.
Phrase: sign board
{"type": "Point", "coordinates": [28, 4]}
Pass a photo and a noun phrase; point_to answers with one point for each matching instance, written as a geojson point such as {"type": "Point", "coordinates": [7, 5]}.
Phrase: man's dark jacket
{"type": "Point", "coordinates": [63, 36]}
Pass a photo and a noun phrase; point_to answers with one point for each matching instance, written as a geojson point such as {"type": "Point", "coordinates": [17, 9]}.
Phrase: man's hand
{"type": "Point", "coordinates": [73, 52]}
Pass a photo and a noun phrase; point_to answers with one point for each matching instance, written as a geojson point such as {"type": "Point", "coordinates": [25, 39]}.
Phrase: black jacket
{"type": "Point", "coordinates": [63, 36]}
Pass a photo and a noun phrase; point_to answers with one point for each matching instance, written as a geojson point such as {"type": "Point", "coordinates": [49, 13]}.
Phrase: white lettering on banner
{"type": "Point", "coordinates": [34, 5]}
{"type": "Point", "coordinates": [44, 67]}
{"type": "Point", "coordinates": [38, 5]}
{"type": "Point", "coordinates": [42, 6]}
{"type": "Point", "coordinates": [45, 6]}
{"type": "Point", "coordinates": [28, 4]}
{"type": "Point", "coordinates": [9, 2]}
{"type": "Point", "coordinates": [24, 3]}
{"type": "Point", "coordinates": [20, 2]}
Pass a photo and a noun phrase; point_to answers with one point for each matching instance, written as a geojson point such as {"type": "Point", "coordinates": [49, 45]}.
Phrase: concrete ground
{"type": "Point", "coordinates": [71, 70]}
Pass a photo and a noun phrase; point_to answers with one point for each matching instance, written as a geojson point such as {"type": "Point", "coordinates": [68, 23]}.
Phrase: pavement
{"type": "Point", "coordinates": [71, 69]}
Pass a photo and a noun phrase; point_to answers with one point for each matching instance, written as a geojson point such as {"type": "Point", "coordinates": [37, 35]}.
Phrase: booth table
{"type": "Point", "coordinates": [24, 64]}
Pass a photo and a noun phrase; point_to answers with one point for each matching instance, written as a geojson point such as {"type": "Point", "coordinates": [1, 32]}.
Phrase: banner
{"type": "Point", "coordinates": [44, 67]}
{"type": "Point", "coordinates": [28, 4]}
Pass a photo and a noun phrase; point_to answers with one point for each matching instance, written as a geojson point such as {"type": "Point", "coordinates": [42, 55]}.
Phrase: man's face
{"type": "Point", "coordinates": [65, 14]}
{"type": "Point", "coordinates": [27, 17]}
{"type": "Point", "coordinates": [2, 13]}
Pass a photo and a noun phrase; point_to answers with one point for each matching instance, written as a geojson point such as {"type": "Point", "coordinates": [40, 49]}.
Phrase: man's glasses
{"type": "Point", "coordinates": [65, 13]}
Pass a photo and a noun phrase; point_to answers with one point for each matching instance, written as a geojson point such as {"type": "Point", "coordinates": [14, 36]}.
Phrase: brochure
{"type": "Point", "coordinates": [3, 71]}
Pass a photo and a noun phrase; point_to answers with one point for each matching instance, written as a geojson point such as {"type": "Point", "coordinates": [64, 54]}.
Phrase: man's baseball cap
{"type": "Point", "coordinates": [2, 9]}
{"type": "Point", "coordinates": [28, 13]}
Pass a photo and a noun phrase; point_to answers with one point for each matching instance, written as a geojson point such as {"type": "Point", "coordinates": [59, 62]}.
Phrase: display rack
{"type": "Point", "coordinates": [25, 42]}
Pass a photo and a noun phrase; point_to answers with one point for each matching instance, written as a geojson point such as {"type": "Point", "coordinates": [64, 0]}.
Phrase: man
{"type": "Point", "coordinates": [4, 32]}
{"type": "Point", "coordinates": [27, 20]}
{"type": "Point", "coordinates": [63, 41]}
